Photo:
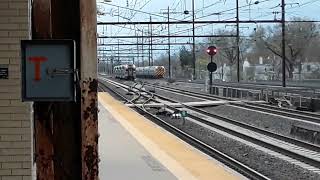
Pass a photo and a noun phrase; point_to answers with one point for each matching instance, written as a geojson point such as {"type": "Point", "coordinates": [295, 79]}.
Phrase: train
{"type": "Point", "coordinates": [131, 72]}
{"type": "Point", "coordinates": [126, 71]}
{"type": "Point", "coordinates": [152, 72]}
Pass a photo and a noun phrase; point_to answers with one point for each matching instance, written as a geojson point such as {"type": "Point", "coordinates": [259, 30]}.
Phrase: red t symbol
{"type": "Point", "coordinates": [37, 60]}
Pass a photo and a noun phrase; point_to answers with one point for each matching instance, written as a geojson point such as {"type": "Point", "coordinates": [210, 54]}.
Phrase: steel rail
{"type": "Point", "coordinates": [218, 155]}
{"type": "Point", "coordinates": [310, 117]}
{"type": "Point", "coordinates": [258, 141]}
{"type": "Point", "coordinates": [256, 86]}
{"type": "Point", "coordinates": [250, 127]}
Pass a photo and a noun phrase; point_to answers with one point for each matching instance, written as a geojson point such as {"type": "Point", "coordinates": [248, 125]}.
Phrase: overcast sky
{"type": "Point", "coordinates": [264, 10]}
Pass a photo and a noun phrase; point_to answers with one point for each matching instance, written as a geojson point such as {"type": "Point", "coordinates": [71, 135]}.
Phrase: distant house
{"type": "Point", "coordinates": [309, 70]}
{"type": "Point", "coordinates": [222, 73]}
{"type": "Point", "coordinates": [254, 72]}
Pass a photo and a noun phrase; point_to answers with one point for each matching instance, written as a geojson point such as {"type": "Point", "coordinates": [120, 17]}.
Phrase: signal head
{"type": "Point", "coordinates": [212, 50]}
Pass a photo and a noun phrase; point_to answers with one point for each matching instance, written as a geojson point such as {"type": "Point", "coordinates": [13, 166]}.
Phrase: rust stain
{"type": "Point", "coordinates": [89, 106]}
{"type": "Point", "coordinates": [44, 151]}
{"type": "Point", "coordinates": [93, 87]}
{"type": "Point", "coordinates": [91, 161]}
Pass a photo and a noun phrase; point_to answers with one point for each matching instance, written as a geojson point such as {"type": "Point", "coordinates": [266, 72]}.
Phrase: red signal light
{"type": "Point", "coordinates": [212, 50]}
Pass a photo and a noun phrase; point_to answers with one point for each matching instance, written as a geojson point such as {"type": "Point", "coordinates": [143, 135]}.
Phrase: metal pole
{"type": "Point", "coordinates": [142, 49]}
{"type": "Point", "coordinates": [118, 52]}
{"type": "Point", "coordinates": [169, 53]}
{"type": "Point", "coordinates": [193, 42]}
{"type": "Point", "coordinates": [151, 41]}
{"type": "Point", "coordinates": [137, 45]}
{"type": "Point", "coordinates": [238, 44]}
{"type": "Point", "coordinates": [112, 65]}
{"type": "Point", "coordinates": [108, 72]}
{"type": "Point", "coordinates": [149, 52]}
{"type": "Point", "coordinates": [104, 58]}
{"type": "Point", "coordinates": [210, 84]}
{"type": "Point", "coordinates": [283, 44]}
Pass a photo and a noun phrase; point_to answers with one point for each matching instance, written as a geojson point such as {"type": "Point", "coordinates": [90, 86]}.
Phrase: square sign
{"type": "Point", "coordinates": [48, 68]}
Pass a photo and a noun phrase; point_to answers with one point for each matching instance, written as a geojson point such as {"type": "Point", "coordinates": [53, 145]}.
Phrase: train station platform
{"type": "Point", "coordinates": [133, 148]}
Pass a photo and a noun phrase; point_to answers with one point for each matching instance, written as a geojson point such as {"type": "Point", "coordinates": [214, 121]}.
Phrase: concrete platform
{"type": "Point", "coordinates": [122, 157]}
{"type": "Point", "coordinates": [133, 148]}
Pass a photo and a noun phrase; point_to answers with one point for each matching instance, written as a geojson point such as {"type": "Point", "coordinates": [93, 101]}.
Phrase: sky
{"type": "Point", "coordinates": [205, 10]}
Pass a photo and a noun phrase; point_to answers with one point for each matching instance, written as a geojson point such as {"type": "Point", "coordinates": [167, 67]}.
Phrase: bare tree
{"type": "Point", "coordinates": [299, 36]}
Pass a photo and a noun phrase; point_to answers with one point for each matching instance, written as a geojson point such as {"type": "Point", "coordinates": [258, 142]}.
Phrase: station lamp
{"type": "Point", "coordinates": [212, 50]}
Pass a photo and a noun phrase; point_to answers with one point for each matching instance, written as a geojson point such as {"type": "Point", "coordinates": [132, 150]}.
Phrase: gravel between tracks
{"type": "Point", "coordinates": [268, 165]}
{"type": "Point", "coordinates": [273, 123]}
{"type": "Point", "coordinates": [176, 97]}
{"type": "Point", "coordinates": [277, 124]}
{"type": "Point", "coordinates": [271, 166]}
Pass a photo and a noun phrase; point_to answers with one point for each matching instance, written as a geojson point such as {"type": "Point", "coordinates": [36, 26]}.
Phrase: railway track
{"type": "Point", "coordinates": [301, 153]}
{"type": "Point", "coordinates": [204, 147]}
{"type": "Point", "coordinates": [253, 85]}
{"type": "Point", "coordinates": [301, 115]}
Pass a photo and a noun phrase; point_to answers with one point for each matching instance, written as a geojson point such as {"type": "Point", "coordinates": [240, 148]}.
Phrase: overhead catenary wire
{"type": "Point", "coordinates": [197, 27]}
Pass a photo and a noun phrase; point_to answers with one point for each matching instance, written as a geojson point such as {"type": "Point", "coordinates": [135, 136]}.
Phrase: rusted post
{"type": "Point", "coordinates": [44, 145]}
{"type": "Point", "coordinates": [89, 86]}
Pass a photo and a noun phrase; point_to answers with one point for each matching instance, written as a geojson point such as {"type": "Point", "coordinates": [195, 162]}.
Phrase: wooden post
{"type": "Point", "coordinates": [62, 142]}
{"type": "Point", "coordinates": [41, 29]}
{"type": "Point", "coordinates": [89, 86]}
{"type": "Point", "coordinates": [57, 124]}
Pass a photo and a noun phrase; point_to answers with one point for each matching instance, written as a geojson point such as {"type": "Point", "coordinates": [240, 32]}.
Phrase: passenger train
{"type": "Point", "coordinates": [130, 72]}
{"type": "Point", "coordinates": [126, 71]}
{"type": "Point", "coordinates": [154, 72]}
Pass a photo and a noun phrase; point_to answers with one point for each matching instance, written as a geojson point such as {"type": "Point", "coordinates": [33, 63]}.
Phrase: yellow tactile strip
{"type": "Point", "coordinates": [178, 157]}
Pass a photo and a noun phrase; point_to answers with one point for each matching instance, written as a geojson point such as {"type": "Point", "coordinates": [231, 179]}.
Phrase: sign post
{"type": "Point", "coordinates": [212, 67]}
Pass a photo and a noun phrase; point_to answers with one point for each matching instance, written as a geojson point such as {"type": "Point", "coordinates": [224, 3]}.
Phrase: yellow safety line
{"type": "Point", "coordinates": [177, 156]}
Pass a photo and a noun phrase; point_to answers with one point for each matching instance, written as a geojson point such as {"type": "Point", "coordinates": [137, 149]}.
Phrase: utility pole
{"type": "Point", "coordinates": [142, 49]}
{"type": "Point", "coordinates": [193, 42]}
{"type": "Point", "coordinates": [283, 20]}
{"type": "Point", "coordinates": [238, 43]}
{"type": "Point", "coordinates": [135, 31]}
{"type": "Point", "coordinates": [149, 51]}
{"type": "Point", "coordinates": [169, 53]}
{"type": "Point", "coordinates": [107, 61]}
{"type": "Point", "coordinates": [118, 52]}
{"type": "Point", "coordinates": [105, 66]}
{"type": "Point", "coordinates": [112, 65]}
{"type": "Point", "coordinates": [151, 41]}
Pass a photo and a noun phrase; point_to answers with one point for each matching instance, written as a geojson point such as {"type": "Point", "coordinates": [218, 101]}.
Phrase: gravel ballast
{"type": "Point", "coordinates": [271, 166]}
{"type": "Point", "coordinates": [274, 123]}
{"type": "Point", "coordinates": [268, 165]}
